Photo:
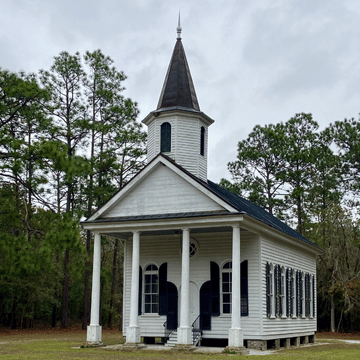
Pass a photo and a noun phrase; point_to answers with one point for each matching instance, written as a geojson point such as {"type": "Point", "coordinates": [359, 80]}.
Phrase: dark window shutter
{"type": "Point", "coordinates": [298, 290]}
{"type": "Point", "coordinates": [307, 292]}
{"type": "Point", "coordinates": [292, 295]}
{"type": "Point", "coordinates": [277, 291]}
{"type": "Point", "coordinates": [288, 292]}
{"type": "Point", "coordinates": [267, 270]}
{"type": "Point", "coordinates": [301, 295]}
{"type": "Point", "coordinates": [215, 288]}
{"type": "Point", "coordinates": [163, 290]}
{"type": "Point", "coordinates": [140, 290]}
{"type": "Point", "coordinates": [314, 298]}
{"type": "Point", "coordinates": [244, 289]}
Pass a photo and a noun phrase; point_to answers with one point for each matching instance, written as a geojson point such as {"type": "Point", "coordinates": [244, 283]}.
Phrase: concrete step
{"type": "Point", "coordinates": [172, 341]}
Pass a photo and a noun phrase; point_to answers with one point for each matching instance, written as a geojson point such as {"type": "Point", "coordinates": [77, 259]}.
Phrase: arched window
{"type": "Point", "coordinates": [226, 287]}
{"type": "Point", "coordinates": [151, 289]}
{"type": "Point", "coordinates": [202, 141]}
{"type": "Point", "coordinates": [270, 293]}
{"type": "Point", "coordinates": [165, 137]}
{"type": "Point", "coordinates": [311, 291]}
{"type": "Point", "coordinates": [303, 294]}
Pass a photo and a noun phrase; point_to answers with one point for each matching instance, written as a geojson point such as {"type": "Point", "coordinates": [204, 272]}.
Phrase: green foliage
{"type": "Point", "coordinates": [312, 179]}
{"type": "Point", "coordinates": [346, 135]}
{"type": "Point", "coordinates": [65, 146]}
{"type": "Point", "coordinates": [256, 170]}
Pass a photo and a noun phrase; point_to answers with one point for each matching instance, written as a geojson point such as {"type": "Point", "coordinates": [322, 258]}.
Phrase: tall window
{"type": "Point", "coordinates": [311, 290]}
{"type": "Point", "coordinates": [151, 289]}
{"type": "Point", "coordinates": [270, 286]}
{"type": "Point", "coordinates": [272, 290]}
{"type": "Point", "coordinates": [202, 141]}
{"type": "Point", "coordinates": [282, 293]}
{"type": "Point", "coordinates": [165, 137]}
{"type": "Point", "coordinates": [226, 287]}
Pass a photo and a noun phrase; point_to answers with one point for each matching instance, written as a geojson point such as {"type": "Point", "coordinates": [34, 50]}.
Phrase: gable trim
{"type": "Point", "coordinates": [160, 159]}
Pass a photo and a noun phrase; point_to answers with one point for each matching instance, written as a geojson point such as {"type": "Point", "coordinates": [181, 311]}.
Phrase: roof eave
{"type": "Point", "coordinates": [177, 109]}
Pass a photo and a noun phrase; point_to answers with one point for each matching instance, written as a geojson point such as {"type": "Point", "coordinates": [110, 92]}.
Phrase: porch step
{"type": "Point", "coordinates": [172, 341]}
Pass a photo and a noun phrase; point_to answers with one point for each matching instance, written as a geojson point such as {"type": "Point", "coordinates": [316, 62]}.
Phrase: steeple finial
{"type": "Point", "coordinates": [178, 29]}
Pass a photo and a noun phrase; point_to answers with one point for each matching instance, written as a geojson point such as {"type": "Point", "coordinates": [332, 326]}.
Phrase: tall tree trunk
{"type": "Point", "coordinates": [65, 302]}
{"type": "Point", "coordinates": [332, 316]}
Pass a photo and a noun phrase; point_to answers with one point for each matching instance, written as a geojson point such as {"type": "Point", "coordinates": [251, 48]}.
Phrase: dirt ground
{"type": "Point", "coordinates": [338, 335]}
{"type": "Point", "coordinates": [75, 334]}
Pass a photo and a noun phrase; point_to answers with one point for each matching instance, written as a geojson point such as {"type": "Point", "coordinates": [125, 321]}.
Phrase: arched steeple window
{"type": "Point", "coordinates": [202, 141]}
{"type": "Point", "coordinates": [165, 137]}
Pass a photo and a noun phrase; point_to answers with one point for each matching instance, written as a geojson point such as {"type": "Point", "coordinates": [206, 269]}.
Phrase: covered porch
{"type": "Point", "coordinates": [144, 317]}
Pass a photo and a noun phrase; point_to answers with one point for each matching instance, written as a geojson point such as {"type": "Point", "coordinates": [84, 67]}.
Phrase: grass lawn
{"type": "Point", "coordinates": [65, 344]}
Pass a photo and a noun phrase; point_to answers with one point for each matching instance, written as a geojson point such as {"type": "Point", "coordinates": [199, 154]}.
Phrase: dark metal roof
{"type": "Point", "coordinates": [178, 89]}
{"type": "Point", "coordinates": [162, 216]}
{"type": "Point", "coordinates": [255, 211]}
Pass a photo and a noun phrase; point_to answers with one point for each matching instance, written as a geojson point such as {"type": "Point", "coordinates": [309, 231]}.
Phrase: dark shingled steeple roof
{"type": "Point", "coordinates": [178, 91]}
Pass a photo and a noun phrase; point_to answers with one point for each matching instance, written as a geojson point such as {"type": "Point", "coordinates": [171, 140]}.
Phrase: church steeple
{"type": "Point", "coordinates": [177, 128]}
{"type": "Point", "coordinates": [178, 91]}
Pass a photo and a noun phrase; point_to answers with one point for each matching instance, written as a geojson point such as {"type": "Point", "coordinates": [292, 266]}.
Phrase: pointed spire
{"type": "Point", "coordinates": [178, 29]}
{"type": "Point", "coordinates": [178, 90]}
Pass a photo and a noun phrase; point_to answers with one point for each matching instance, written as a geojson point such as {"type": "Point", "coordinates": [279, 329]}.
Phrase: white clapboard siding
{"type": "Point", "coordinates": [275, 252]}
{"type": "Point", "coordinates": [212, 247]}
{"type": "Point", "coordinates": [151, 149]}
{"type": "Point", "coordinates": [163, 192]}
{"type": "Point", "coordinates": [185, 142]}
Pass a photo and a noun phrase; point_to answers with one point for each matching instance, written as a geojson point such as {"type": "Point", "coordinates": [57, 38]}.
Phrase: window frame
{"type": "Point", "coordinates": [283, 292]}
{"type": "Point", "coordinates": [303, 295]}
{"type": "Point", "coordinates": [311, 280]}
{"type": "Point", "coordinates": [165, 137]}
{"type": "Point", "coordinates": [202, 140]}
{"type": "Point", "coordinates": [222, 293]}
{"type": "Point", "coordinates": [271, 291]}
{"type": "Point", "coordinates": [146, 273]}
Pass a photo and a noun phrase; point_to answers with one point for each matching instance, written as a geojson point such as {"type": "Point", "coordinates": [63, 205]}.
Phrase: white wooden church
{"type": "Point", "coordinates": [200, 262]}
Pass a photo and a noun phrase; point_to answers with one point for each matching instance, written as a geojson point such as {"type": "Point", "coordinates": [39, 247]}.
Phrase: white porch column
{"type": "Point", "coordinates": [133, 331]}
{"type": "Point", "coordinates": [184, 331]}
{"type": "Point", "coordinates": [235, 333]}
{"type": "Point", "coordinates": [94, 330]}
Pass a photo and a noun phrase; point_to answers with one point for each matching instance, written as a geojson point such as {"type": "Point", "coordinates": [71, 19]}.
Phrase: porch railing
{"type": "Point", "coordinates": [168, 331]}
{"type": "Point", "coordinates": [196, 331]}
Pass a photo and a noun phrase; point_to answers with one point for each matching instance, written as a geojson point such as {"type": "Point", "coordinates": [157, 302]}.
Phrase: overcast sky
{"type": "Point", "coordinates": [252, 61]}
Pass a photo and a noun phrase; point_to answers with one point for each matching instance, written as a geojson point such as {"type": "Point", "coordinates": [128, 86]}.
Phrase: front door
{"type": "Point", "coordinates": [205, 306]}
{"type": "Point", "coordinates": [172, 315]}
{"type": "Point", "coordinates": [194, 302]}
